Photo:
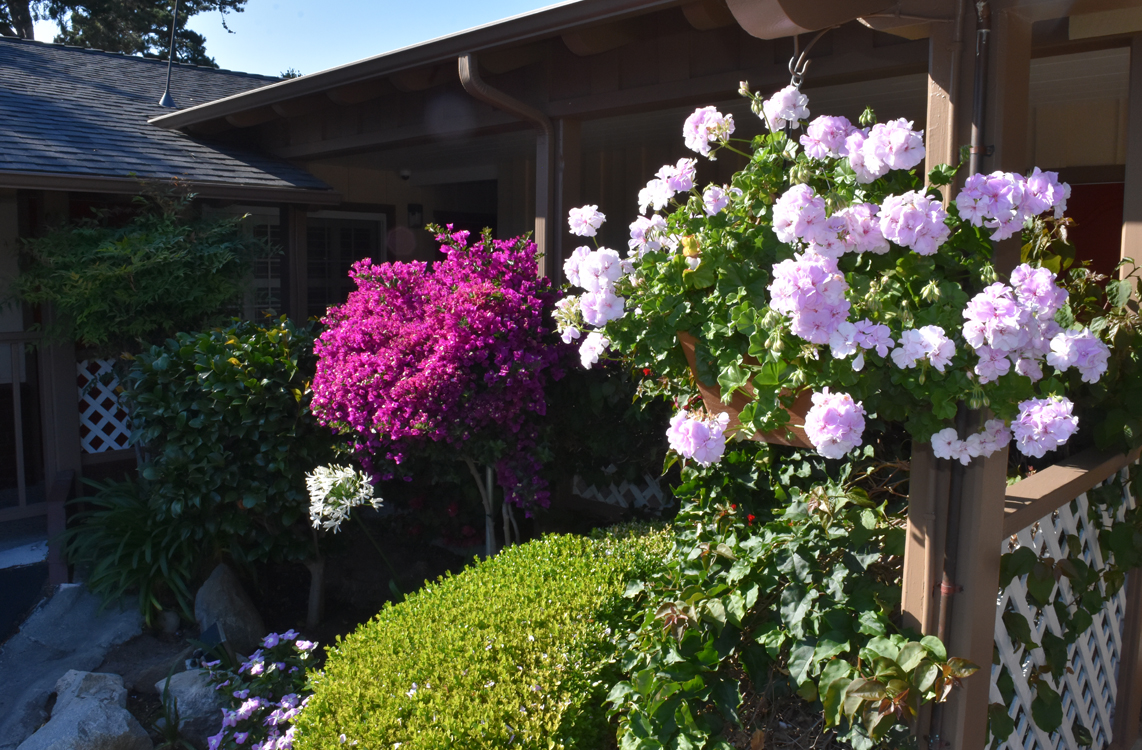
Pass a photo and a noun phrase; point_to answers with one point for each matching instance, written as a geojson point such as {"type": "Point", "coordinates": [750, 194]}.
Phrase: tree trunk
{"type": "Point", "coordinates": [316, 593]}
{"type": "Point", "coordinates": [487, 496]}
{"type": "Point", "coordinates": [20, 13]}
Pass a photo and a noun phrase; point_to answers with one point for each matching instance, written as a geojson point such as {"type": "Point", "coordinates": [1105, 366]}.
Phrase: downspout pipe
{"type": "Point", "coordinates": [544, 151]}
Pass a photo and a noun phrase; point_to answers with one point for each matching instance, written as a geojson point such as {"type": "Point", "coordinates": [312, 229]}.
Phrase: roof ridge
{"type": "Point", "coordinates": [93, 51]}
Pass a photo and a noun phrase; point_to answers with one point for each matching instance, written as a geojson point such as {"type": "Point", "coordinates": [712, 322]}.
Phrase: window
{"type": "Point", "coordinates": [335, 240]}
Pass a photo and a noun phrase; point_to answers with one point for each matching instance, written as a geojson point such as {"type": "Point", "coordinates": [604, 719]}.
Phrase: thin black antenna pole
{"type": "Point", "coordinates": [167, 100]}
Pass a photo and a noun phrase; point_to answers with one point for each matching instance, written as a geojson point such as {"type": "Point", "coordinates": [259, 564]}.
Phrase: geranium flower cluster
{"type": "Point", "coordinates": [1004, 201]}
{"type": "Point", "coordinates": [947, 444]}
{"type": "Point", "coordinates": [1043, 425]}
{"type": "Point", "coordinates": [833, 203]}
{"type": "Point", "coordinates": [453, 356]}
{"type": "Point", "coordinates": [701, 438]}
{"type": "Point", "coordinates": [835, 423]}
{"type": "Point", "coordinates": [265, 694]}
{"type": "Point", "coordinates": [810, 291]}
{"type": "Point", "coordinates": [1014, 326]}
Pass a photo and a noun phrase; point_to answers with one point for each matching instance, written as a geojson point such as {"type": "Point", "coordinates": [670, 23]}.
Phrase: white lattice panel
{"type": "Point", "coordinates": [1089, 688]}
{"type": "Point", "coordinates": [645, 494]}
{"type": "Point", "coordinates": [103, 424]}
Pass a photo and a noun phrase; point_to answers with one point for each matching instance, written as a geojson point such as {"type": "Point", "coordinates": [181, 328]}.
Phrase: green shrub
{"type": "Point", "coordinates": [163, 271]}
{"type": "Point", "coordinates": [516, 651]}
{"type": "Point", "coordinates": [228, 436]}
{"type": "Point", "coordinates": [126, 547]}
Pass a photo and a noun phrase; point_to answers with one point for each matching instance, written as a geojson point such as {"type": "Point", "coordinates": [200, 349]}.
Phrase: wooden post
{"type": "Point", "coordinates": [545, 223]}
{"type": "Point", "coordinates": [1128, 701]}
{"type": "Point", "coordinates": [568, 181]}
{"type": "Point", "coordinates": [297, 260]}
{"type": "Point", "coordinates": [1009, 102]}
{"type": "Point", "coordinates": [928, 485]}
{"type": "Point", "coordinates": [58, 492]}
{"type": "Point", "coordinates": [1132, 190]}
{"type": "Point", "coordinates": [971, 630]}
{"type": "Point", "coordinates": [950, 65]}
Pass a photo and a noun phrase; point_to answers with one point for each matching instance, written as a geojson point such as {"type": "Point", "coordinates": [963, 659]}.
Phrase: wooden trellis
{"type": "Point", "coordinates": [1090, 689]}
{"type": "Point", "coordinates": [103, 423]}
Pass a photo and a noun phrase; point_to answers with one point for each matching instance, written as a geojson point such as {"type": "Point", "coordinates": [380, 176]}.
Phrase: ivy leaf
{"type": "Point", "coordinates": [1016, 564]}
{"type": "Point", "coordinates": [1018, 629]}
{"type": "Point", "coordinates": [1041, 583]}
{"type": "Point", "coordinates": [1047, 708]}
{"type": "Point", "coordinates": [999, 723]}
{"type": "Point", "coordinates": [935, 647]}
{"type": "Point", "coordinates": [1055, 651]}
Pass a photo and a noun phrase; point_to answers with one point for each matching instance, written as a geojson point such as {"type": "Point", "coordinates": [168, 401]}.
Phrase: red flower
{"type": "Point", "coordinates": [454, 509]}
{"type": "Point", "coordinates": [646, 372]}
{"type": "Point", "coordinates": [750, 519]}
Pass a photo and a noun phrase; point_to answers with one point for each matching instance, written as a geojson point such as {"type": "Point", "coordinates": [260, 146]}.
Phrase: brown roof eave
{"type": "Point", "coordinates": [519, 29]}
{"type": "Point", "coordinates": [130, 186]}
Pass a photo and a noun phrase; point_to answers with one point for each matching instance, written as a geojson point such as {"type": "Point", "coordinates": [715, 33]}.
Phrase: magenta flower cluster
{"type": "Point", "coordinates": [454, 355]}
{"type": "Point", "coordinates": [810, 290]}
{"type": "Point", "coordinates": [947, 444]}
{"type": "Point", "coordinates": [1043, 425]}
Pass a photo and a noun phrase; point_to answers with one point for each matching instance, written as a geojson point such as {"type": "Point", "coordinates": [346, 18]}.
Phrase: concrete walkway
{"type": "Point", "coordinates": [66, 632]}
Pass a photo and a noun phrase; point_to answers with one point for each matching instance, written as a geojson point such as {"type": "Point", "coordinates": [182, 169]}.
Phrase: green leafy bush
{"type": "Point", "coordinates": [228, 435]}
{"type": "Point", "coordinates": [795, 600]}
{"type": "Point", "coordinates": [513, 652]}
{"type": "Point", "coordinates": [126, 547]}
{"type": "Point", "coordinates": [163, 271]}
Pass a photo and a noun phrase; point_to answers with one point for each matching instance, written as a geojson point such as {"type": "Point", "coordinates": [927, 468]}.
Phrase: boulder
{"type": "Point", "coordinates": [90, 714]}
{"type": "Point", "coordinates": [222, 601]}
{"type": "Point", "coordinates": [144, 660]}
{"type": "Point", "coordinates": [70, 631]}
{"type": "Point", "coordinates": [199, 705]}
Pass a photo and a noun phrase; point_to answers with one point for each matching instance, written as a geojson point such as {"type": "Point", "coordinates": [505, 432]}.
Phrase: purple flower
{"type": "Point", "coordinates": [826, 136]}
{"type": "Point", "coordinates": [788, 106]}
{"type": "Point", "coordinates": [592, 347]}
{"type": "Point", "coordinates": [947, 444]}
{"type": "Point", "coordinates": [645, 235]}
{"type": "Point", "coordinates": [240, 738]}
{"type": "Point", "coordinates": [599, 271]}
{"type": "Point", "coordinates": [585, 220]}
{"type": "Point", "coordinates": [928, 343]}
{"type": "Point", "coordinates": [915, 221]}
{"type": "Point", "coordinates": [600, 307]}
{"type": "Point", "coordinates": [717, 198]}
{"type": "Point", "coordinates": [705, 126]}
{"type": "Point", "coordinates": [305, 645]}
{"type": "Point", "coordinates": [215, 741]}
{"type": "Point", "coordinates": [810, 291]}
{"type": "Point", "coordinates": [702, 440]}
{"type": "Point", "coordinates": [679, 177]}
{"type": "Point", "coordinates": [1043, 425]}
{"type": "Point", "coordinates": [271, 640]}
{"type": "Point", "coordinates": [835, 423]}
{"type": "Point", "coordinates": [248, 707]}
{"type": "Point", "coordinates": [798, 215]}
{"type": "Point", "coordinates": [241, 694]}
{"type": "Point", "coordinates": [1081, 350]}
{"type": "Point", "coordinates": [655, 195]}
{"type": "Point", "coordinates": [862, 229]}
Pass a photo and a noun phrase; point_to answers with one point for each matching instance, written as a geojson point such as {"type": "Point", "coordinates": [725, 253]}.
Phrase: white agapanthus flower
{"type": "Point", "coordinates": [334, 491]}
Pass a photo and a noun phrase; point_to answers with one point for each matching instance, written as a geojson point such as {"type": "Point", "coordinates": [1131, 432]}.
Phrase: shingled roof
{"type": "Point", "coordinates": [77, 118]}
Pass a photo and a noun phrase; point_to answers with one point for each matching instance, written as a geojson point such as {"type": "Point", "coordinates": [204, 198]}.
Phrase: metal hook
{"type": "Point", "coordinates": [799, 63]}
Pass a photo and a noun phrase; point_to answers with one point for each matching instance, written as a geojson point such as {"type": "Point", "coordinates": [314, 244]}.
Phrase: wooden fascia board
{"type": "Point", "coordinates": [131, 186]}
{"type": "Point", "coordinates": [541, 24]}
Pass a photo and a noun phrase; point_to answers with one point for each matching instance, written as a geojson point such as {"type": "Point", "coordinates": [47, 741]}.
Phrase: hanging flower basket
{"type": "Point", "coordinates": [794, 431]}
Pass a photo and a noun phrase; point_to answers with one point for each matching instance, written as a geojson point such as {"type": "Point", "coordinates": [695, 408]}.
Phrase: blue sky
{"type": "Point", "coordinates": [311, 35]}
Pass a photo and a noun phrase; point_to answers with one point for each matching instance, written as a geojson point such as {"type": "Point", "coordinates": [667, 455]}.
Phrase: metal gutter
{"type": "Point", "coordinates": [469, 69]}
{"type": "Point", "coordinates": [539, 24]}
{"type": "Point", "coordinates": [229, 191]}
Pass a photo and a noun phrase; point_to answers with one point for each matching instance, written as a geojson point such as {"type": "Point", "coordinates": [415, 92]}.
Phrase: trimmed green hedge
{"type": "Point", "coordinates": [516, 651]}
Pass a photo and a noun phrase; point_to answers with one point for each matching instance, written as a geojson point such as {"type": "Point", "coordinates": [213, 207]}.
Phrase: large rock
{"type": "Point", "coordinates": [144, 660]}
{"type": "Point", "coordinates": [199, 705]}
{"type": "Point", "coordinates": [222, 601]}
{"type": "Point", "coordinates": [69, 631]}
{"type": "Point", "coordinates": [90, 714]}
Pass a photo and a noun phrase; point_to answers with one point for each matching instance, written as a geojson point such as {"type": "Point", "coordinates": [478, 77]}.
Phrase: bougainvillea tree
{"type": "Point", "coordinates": [450, 360]}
